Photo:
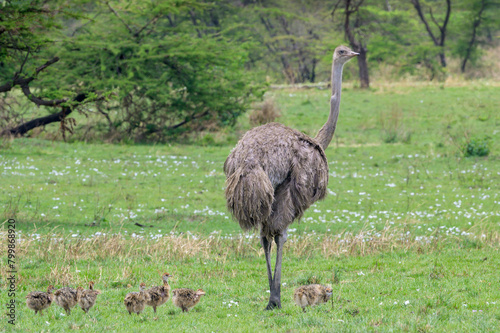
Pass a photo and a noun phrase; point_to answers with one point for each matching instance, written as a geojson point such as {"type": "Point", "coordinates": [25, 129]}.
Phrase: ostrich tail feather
{"type": "Point", "coordinates": [249, 195]}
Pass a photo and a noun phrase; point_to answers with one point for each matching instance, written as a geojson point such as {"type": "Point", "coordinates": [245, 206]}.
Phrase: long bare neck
{"type": "Point", "coordinates": [326, 132]}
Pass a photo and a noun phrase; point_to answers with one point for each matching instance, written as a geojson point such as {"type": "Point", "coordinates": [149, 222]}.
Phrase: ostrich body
{"type": "Point", "coordinates": [38, 300]}
{"type": "Point", "coordinates": [159, 295]}
{"type": "Point", "coordinates": [185, 298]}
{"type": "Point", "coordinates": [311, 295]}
{"type": "Point", "coordinates": [136, 301]}
{"type": "Point", "coordinates": [87, 298]}
{"type": "Point", "coordinates": [66, 298]}
{"type": "Point", "coordinates": [275, 173]}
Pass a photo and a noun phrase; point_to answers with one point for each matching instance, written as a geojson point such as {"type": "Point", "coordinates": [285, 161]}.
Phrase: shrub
{"type": "Point", "coordinates": [477, 146]}
{"type": "Point", "coordinates": [267, 113]}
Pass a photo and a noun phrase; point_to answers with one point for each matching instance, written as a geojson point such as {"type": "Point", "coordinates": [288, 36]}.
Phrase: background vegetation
{"type": "Point", "coordinates": [152, 71]}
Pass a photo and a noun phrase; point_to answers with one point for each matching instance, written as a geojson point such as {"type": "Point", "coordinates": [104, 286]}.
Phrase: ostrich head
{"type": "Point", "coordinates": [50, 288]}
{"type": "Point", "coordinates": [142, 286]}
{"type": "Point", "coordinates": [328, 291]}
{"type": "Point", "coordinates": [91, 285]}
{"type": "Point", "coordinates": [343, 54]}
{"type": "Point", "coordinates": [200, 292]}
{"type": "Point", "coordinates": [165, 277]}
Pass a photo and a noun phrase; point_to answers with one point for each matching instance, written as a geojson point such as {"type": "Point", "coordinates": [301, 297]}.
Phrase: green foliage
{"type": "Point", "coordinates": [477, 146]}
{"type": "Point", "coordinates": [166, 77]}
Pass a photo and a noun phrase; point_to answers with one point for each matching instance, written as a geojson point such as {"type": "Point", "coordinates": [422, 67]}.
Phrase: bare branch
{"type": "Point", "coordinates": [47, 64]}
{"type": "Point", "coordinates": [418, 8]}
{"type": "Point", "coordinates": [37, 100]}
{"type": "Point", "coordinates": [120, 18]}
{"type": "Point", "coordinates": [24, 62]}
{"type": "Point", "coordinates": [83, 25]}
{"type": "Point", "coordinates": [153, 20]}
{"type": "Point", "coordinates": [434, 20]}
{"type": "Point", "coordinates": [23, 81]}
{"type": "Point", "coordinates": [335, 7]}
{"type": "Point", "coordinates": [55, 117]}
{"type": "Point", "coordinates": [445, 23]}
{"type": "Point", "coordinates": [6, 87]}
{"type": "Point", "coordinates": [475, 25]}
{"type": "Point", "coordinates": [188, 119]}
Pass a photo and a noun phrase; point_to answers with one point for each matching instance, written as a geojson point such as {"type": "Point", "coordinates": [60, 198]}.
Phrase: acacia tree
{"type": "Point", "coordinates": [165, 73]}
{"type": "Point", "coordinates": [26, 29]}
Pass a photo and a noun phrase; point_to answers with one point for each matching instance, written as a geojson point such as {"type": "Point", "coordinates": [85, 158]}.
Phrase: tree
{"type": "Point", "coordinates": [356, 18]}
{"type": "Point", "coordinates": [439, 38]}
{"type": "Point", "coordinates": [26, 28]}
{"type": "Point", "coordinates": [168, 71]}
{"type": "Point", "coordinates": [473, 24]}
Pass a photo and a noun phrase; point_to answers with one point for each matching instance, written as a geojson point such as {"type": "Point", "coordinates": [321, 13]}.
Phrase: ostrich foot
{"type": "Point", "coordinates": [273, 305]}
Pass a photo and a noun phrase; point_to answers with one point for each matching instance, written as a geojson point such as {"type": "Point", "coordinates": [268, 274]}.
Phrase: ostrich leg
{"type": "Point", "coordinates": [266, 244]}
{"type": "Point", "coordinates": [275, 283]}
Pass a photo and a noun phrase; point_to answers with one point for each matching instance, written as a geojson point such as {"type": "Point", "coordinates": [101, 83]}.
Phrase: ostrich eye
{"type": "Point", "coordinates": [341, 51]}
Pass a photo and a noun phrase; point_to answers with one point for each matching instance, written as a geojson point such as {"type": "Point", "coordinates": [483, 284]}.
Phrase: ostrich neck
{"type": "Point", "coordinates": [326, 132]}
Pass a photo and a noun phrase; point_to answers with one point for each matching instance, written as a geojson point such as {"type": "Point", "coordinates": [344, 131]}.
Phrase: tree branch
{"type": "Point", "coordinates": [416, 4]}
{"type": "Point", "coordinates": [188, 119]}
{"type": "Point", "coordinates": [24, 128]}
{"type": "Point", "coordinates": [37, 100]}
{"type": "Point", "coordinates": [120, 18]}
{"type": "Point", "coordinates": [445, 23]}
{"type": "Point", "coordinates": [153, 20]}
{"type": "Point", "coordinates": [475, 25]}
{"type": "Point", "coordinates": [23, 81]}
{"type": "Point", "coordinates": [47, 64]}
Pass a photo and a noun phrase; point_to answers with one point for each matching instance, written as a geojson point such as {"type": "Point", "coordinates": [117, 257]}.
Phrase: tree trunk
{"type": "Point", "coordinates": [475, 25]}
{"type": "Point", "coordinates": [442, 59]}
{"type": "Point", "coordinates": [363, 68]}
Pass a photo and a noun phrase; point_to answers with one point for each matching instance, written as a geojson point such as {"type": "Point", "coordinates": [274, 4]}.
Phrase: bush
{"type": "Point", "coordinates": [267, 113]}
{"type": "Point", "coordinates": [476, 147]}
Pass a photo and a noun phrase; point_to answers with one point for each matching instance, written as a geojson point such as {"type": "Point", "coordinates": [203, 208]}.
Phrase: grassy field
{"type": "Point", "coordinates": [408, 236]}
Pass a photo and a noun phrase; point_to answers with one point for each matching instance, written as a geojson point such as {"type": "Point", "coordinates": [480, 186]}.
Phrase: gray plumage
{"type": "Point", "coordinates": [66, 298]}
{"type": "Point", "coordinates": [311, 295]}
{"type": "Point", "coordinates": [39, 300]}
{"type": "Point", "coordinates": [275, 173]}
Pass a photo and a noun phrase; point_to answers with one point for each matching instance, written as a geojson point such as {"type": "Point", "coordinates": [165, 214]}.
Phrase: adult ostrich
{"type": "Point", "coordinates": [275, 173]}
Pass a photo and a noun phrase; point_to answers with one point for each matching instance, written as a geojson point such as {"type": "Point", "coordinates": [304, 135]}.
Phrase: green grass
{"type": "Point", "coordinates": [433, 290]}
{"type": "Point", "coordinates": [408, 218]}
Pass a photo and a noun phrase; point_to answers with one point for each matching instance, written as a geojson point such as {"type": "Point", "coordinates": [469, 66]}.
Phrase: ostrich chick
{"type": "Point", "coordinates": [66, 298]}
{"type": "Point", "coordinates": [136, 301]}
{"type": "Point", "coordinates": [87, 298]}
{"type": "Point", "coordinates": [186, 298]}
{"type": "Point", "coordinates": [158, 295]}
{"type": "Point", "coordinates": [39, 300]}
{"type": "Point", "coordinates": [311, 295]}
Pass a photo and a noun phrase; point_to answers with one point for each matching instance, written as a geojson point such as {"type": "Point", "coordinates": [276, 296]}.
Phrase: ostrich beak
{"type": "Point", "coordinates": [354, 54]}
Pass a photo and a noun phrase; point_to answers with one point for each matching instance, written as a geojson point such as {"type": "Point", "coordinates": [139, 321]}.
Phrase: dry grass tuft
{"type": "Point", "coordinates": [60, 250]}
{"type": "Point", "coordinates": [268, 112]}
